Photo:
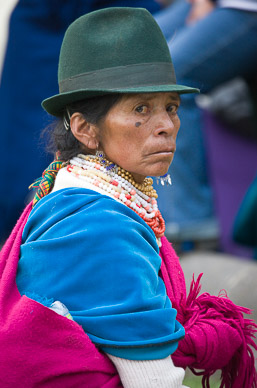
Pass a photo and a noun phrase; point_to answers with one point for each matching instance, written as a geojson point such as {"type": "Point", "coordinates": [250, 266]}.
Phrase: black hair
{"type": "Point", "coordinates": [93, 109]}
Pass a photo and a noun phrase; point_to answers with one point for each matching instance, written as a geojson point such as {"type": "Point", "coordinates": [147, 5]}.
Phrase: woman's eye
{"type": "Point", "coordinates": [172, 108]}
{"type": "Point", "coordinates": [141, 109]}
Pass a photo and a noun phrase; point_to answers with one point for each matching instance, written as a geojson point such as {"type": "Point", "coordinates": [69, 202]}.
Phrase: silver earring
{"type": "Point", "coordinates": [164, 179]}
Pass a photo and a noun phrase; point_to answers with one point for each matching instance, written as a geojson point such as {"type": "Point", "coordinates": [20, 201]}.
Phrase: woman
{"type": "Point", "coordinates": [89, 249]}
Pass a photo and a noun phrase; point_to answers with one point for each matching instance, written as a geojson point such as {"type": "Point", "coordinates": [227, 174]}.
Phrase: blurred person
{"type": "Point", "coordinates": [29, 75]}
{"type": "Point", "coordinates": [245, 224]}
{"type": "Point", "coordinates": [211, 42]}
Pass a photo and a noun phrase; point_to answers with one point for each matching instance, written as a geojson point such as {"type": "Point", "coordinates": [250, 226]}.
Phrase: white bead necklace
{"type": "Point", "coordinates": [89, 169]}
{"type": "Point", "coordinates": [114, 184]}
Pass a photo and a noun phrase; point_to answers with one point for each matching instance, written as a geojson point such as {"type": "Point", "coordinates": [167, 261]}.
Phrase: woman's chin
{"type": "Point", "coordinates": [161, 171]}
{"type": "Point", "coordinates": [156, 170]}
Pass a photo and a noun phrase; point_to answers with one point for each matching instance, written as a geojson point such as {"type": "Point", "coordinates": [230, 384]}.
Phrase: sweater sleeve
{"type": "Point", "coordinates": [149, 374]}
{"type": "Point", "coordinates": [101, 260]}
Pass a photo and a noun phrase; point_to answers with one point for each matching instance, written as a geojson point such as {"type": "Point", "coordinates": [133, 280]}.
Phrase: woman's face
{"type": "Point", "coordinates": [139, 133]}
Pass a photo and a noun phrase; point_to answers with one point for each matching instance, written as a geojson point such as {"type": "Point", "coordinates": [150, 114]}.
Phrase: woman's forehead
{"type": "Point", "coordinates": [152, 96]}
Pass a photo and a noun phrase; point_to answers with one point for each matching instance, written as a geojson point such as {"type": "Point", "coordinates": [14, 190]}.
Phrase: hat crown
{"type": "Point", "coordinates": [113, 50]}
{"type": "Point", "coordinates": [109, 38]}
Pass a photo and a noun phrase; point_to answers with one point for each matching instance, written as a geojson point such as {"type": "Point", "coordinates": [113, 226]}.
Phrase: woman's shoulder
{"type": "Point", "coordinates": [70, 200]}
{"type": "Point", "coordinates": [80, 209]}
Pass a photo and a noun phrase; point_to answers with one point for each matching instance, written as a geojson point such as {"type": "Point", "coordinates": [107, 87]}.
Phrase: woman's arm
{"type": "Point", "coordinates": [160, 373]}
{"type": "Point", "coordinates": [101, 260]}
{"type": "Point", "coordinates": [199, 10]}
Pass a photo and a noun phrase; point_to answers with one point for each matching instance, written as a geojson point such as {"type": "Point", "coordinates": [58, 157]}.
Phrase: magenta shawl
{"type": "Point", "coordinates": [39, 348]}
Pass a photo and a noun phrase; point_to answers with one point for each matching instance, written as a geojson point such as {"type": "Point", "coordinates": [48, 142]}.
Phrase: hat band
{"type": "Point", "coordinates": [130, 76]}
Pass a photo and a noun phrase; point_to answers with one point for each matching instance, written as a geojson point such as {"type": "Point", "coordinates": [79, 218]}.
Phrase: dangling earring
{"type": "Point", "coordinates": [110, 167]}
{"type": "Point", "coordinates": [164, 179]}
{"type": "Point", "coordinates": [100, 155]}
{"type": "Point", "coordinates": [65, 121]}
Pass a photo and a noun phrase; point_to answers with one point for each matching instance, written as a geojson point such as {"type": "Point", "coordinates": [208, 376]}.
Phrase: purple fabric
{"type": "Point", "coordinates": [39, 348]}
{"type": "Point", "coordinates": [233, 165]}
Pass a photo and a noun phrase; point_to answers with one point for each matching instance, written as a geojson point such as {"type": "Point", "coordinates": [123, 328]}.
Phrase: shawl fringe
{"type": "Point", "coordinates": [236, 358]}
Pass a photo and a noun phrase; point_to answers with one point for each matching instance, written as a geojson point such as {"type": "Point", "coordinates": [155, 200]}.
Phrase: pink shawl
{"type": "Point", "coordinates": [39, 348]}
{"type": "Point", "coordinates": [217, 334]}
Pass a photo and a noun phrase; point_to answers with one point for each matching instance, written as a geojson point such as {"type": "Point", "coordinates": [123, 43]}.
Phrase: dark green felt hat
{"type": "Point", "coordinates": [113, 50]}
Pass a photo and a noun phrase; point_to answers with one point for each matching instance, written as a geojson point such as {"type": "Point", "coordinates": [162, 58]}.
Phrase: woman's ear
{"type": "Point", "coordinates": [83, 131]}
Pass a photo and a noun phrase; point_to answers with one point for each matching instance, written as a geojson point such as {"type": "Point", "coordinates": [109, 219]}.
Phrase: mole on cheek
{"type": "Point", "coordinates": [137, 124]}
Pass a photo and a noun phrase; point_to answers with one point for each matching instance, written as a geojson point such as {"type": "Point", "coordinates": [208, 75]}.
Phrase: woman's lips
{"type": "Point", "coordinates": [165, 151]}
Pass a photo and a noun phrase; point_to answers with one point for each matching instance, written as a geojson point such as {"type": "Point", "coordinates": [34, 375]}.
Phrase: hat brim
{"type": "Point", "coordinates": [55, 105]}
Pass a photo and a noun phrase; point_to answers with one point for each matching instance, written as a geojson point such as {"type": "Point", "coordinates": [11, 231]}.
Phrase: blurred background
{"type": "Point", "coordinates": [211, 208]}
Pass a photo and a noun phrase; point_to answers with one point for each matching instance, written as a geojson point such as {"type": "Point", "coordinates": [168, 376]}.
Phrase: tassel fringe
{"type": "Point", "coordinates": [212, 318]}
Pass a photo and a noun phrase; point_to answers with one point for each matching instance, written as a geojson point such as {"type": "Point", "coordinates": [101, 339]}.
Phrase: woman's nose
{"type": "Point", "coordinates": [164, 125]}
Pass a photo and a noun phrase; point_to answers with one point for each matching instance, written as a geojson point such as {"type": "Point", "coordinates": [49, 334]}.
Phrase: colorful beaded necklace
{"type": "Point", "coordinates": [119, 184]}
